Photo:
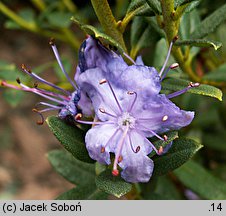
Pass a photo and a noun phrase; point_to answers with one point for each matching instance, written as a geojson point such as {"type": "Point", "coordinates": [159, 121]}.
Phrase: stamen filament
{"type": "Point", "coordinates": [155, 134]}
{"type": "Point", "coordinates": [153, 147]}
{"type": "Point", "coordinates": [171, 67]}
{"type": "Point", "coordinates": [108, 142]}
{"type": "Point", "coordinates": [49, 105]}
{"type": "Point", "coordinates": [102, 110]}
{"type": "Point", "coordinates": [35, 76]}
{"type": "Point", "coordinates": [134, 100]}
{"type": "Point", "coordinates": [168, 55]}
{"type": "Point", "coordinates": [34, 90]}
{"type": "Point", "coordinates": [182, 91]}
{"type": "Point", "coordinates": [55, 51]}
{"type": "Point", "coordinates": [128, 57]}
{"type": "Point", "coordinates": [119, 149]}
{"type": "Point", "coordinates": [113, 93]}
{"type": "Point", "coordinates": [131, 145]}
{"type": "Point", "coordinates": [93, 122]}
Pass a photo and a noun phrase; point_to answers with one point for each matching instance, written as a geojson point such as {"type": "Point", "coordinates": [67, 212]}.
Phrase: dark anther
{"type": "Point", "coordinates": [102, 81]}
{"type": "Point", "coordinates": [42, 118]}
{"type": "Point", "coordinates": [102, 150]}
{"type": "Point", "coordinates": [78, 116]}
{"type": "Point", "coordinates": [18, 80]}
{"type": "Point", "coordinates": [175, 38]}
{"type": "Point", "coordinates": [165, 137]}
{"type": "Point", "coordinates": [137, 149]}
{"type": "Point", "coordinates": [35, 84]}
{"type": "Point", "coordinates": [52, 42]}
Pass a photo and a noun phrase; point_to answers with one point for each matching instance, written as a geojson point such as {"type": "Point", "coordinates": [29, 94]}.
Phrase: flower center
{"type": "Point", "coordinates": [126, 119]}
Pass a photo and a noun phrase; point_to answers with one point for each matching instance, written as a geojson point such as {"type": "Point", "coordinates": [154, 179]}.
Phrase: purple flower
{"type": "Point", "coordinates": [63, 101]}
{"type": "Point", "coordinates": [128, 109]}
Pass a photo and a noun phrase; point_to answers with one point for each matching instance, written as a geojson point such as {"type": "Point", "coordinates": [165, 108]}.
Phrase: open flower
{"type": "Point", "coordinates": [64, 101]}
{"type": "Point", "coordinates": [129, 108]}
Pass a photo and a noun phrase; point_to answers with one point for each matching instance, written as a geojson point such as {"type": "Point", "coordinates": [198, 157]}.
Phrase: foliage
{"type": "Point", "coordinates": [140, 27]}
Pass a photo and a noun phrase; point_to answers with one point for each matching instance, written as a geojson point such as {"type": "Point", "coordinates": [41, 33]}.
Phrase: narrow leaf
{"type": "Point", "coordinates": [84, 192]}
{"type": "Point", "coordinates": [73, 170]}
{"type": "Point", "coordinates": [142, 35]}
{"type": "Point", "coordinates": [218, 75]}
{"type": "Point", "coordinates": [71, 137]}
{"type": "Point", "coordinates": [174, 84]}
{"type": "Point", "coordinates": [180, 152]}
{"type": "Point", "coordinates": [98, 34]}
{"type": "Point", "coordinates": [210, 23]}
{"type": "Point", "coordinates": [114, 185]}
{"type": "Point", "coordinates": [138, 7]}
{"type": "Point", "coordinates": [199, 43]}
{"type": "Point", "coordinates": [198, 179]}
{"type": "Point", "coordinates": [155, 6]}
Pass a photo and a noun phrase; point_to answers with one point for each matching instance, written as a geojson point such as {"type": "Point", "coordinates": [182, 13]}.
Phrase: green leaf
{"type": "Point", "coordinates": [215, 141]}
{"type": "Point", "coordinates": [172, 135]}
{"type": "Point", "coordinates": [199, 180]}
{"type": "Point", "coordinates": [13, 97]}
{"type": "Point", "coordinates": [155, 6]}
{"type": "Point", "coordinates": [8, 71]}
{"type": "Point", "coordinates": [114, 185]}
{"type": "Point", "coordinates": [59, 19]}
{"type": "Point", "coordinates": [174, 84]}
{"type": "Point", "coordinates": [189, 4]}
{"type": "Point", "coordinates": [71, 137]}
{"type": "Point", "coordinates": [161, 188]}
{"type": "Point", "coordinates": [139, 7]}
{"type": "Point", "coordinates": [199, 43]}
{"type": "Point", "coordinates": [142, 35]}
{"type": "Point", "coordinates": [180, 152]}
{"type": "Point", "coordinates": [84, 192]}
{"type": "Point", "coordinates": [73, 170]}
{"type": "Point", "coordinates": [218, 75]}
{"type": "Point", "coordinates": [210, 23]}
{"type": "Point", "coordinates": [98, 34]}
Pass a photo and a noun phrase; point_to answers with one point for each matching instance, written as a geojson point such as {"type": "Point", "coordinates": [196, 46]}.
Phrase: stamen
{"type": "Point", "coordinates": [119, 149]}
{"type": "Point", "coordinates": [102, 110]}
{"type": "Point", "coordinates": [171, 67]}
{"type": "Point", "coordinates": [155, 134]}
{"type": "Point", "coordinates": [131, 145]}
{"type": "Point", "coordinates": [165, 118]}
{"type": "Point", "coordinates": [108, 142]}
{"type": "Point", "coordinates": [128, 57]}
{"type": "Point", "coordinates": [160, 151]}
{"type": "Point", "coordinates": [55, 51]}
{"type": "Point", "coordinates": [105, 81]}
{"type": "Point", "coordinates": [165, 137]}
{"type": "Point", "coordinates": [4, 83]}
{"type": "Point", "coordinates": [168, 55]}
{"type": "Point", "coordinates": [153, 147]}
{"type": "Point", "coordinates": [54, 94]}
{"type": "Point", "coordinates": [134, 100]}
{"type": "Point", "coordinates": [177, 93]}
{"type": "Point", "coordinates": [49, 105]}
{"type": "Point", "coordinates": [102, 150]}
{"type": "Point", "coordinates": [78, 116]}
{"type": "Point", "coordinates": [35, 76]}
{"type": "Point", "coordinates": [93, 122]}
{"type": "Point", "coordinates": [40, 114]}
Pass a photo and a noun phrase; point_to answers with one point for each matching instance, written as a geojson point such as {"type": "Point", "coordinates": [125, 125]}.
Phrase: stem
{"type": "Point", "coordinates": [70, 5]}
{"type": "Point", "coordinates": [39, 4]}
{"type": "Point", "coordinates": [107, 21]}
{"type": "Point", "coordinates": [171, 26]}
{"type": "Point", "coordinates": [20, 21]}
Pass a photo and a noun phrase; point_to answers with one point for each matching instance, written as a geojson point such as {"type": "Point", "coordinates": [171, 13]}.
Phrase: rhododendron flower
{"type": "Point", "coordinates": [128, 107]}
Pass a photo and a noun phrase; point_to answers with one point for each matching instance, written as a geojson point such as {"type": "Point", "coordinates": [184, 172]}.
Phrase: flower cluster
{"type": "Point", "coordinates": [126, 105]}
